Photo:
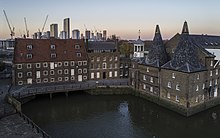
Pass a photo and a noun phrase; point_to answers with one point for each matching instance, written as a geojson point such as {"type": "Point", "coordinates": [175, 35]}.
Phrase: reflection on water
{"type": "Point", "coordinates": [82, 115]}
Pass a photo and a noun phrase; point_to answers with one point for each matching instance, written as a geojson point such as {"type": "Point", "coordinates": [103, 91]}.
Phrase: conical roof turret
{"type": "Point", "coordinates": [185, 29]}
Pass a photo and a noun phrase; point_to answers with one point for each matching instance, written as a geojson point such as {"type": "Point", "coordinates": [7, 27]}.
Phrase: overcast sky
{"type": "Point", "coordinates": [120, 17]}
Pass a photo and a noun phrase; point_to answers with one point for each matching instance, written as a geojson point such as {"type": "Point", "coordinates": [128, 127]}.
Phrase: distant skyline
{"type": "Point", "coordinates": [121, 17]}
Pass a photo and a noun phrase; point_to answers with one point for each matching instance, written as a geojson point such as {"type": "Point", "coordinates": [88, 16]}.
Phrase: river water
{"type": "Point", "coordinates": [115, 116]}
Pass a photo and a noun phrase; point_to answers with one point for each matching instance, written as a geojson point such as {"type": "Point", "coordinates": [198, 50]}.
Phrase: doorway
{"type": "Point", "coordinates": [104, 75]}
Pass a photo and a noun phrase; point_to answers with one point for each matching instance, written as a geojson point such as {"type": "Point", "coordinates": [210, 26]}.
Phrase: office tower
{"type": "Point", "coordinates": [66, 27]}
{"type": "Point", "coordinates": [87, 34]}
{"type": "Point", "coordinates": [54, 30]}
{"type": "Point", "coordinates": [75, 34]}
{"type": "Point", "coordinates": [62, 35]}
{"type": "Point", "coordinates": [104, 34]}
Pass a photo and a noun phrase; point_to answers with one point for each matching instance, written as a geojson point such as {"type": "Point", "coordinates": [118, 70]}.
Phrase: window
{"type": "Point", "coordinates": [38, 74]}
{"type": "Point", "coordinates": [216, 81]}
{"type": "Point", "coordinates": [203, 86]}
{"type": "Point", "coordinates": [151, 89]}
{"type": "Point", "coordinates": [66, 63]}
{"type": "Point", "coordinates": [110, 66]}
{"type": "Point", "coordinates": [59, 64]}
{"type": "Point", "coordinates": [79, 63]}
{"type": "Point", "coordinates": [151, 79]}
{"type": "Point", "coordinates": [20, 82]}
{"type": "Point", "coordinates": [29, 56]}
{"type": "Point", "coordinates": [197, 88]}
{"type": "Point", "coordinates": [72, 78]}
{"type": "Point", "coordinates": [53, 55]}
{"type": "Point", "coordinates": [147, 69]}
{"type": "Point", "coordinates": [52, 47]}
{"type": "Point", "coordinates": [45, 73]}
{"type": "Point", "coordinates": [169, 84]}
{"type": "Point", "coordinates": [210, 84]}
{"type": "Point", "coordinates": [116, 73]}
{"type": "Point", "coordinates": [110, 59]}
{"type": "Point", "coordinates": [98, 66]}
{"type": "Point", "coordinates": [79, 71]}
{"type": "Point", "coordinates": [78, 54]}
{"type": "Point", "coordinates": [72, 63]}
{"type": "Point", "coordinates": [51, 79]}
{"type": "Point", "coordinates": [116, 58]}
{"type": "Point", "coordinates": [66, 78]}
{"type": "Point", "coordinates": [19, 66]}
{"type": "Point", "coordinates": [60, 71]}
{"type": "Point", "coordinates": [178, 87]}
{"type": "Point", "coordinates": [121, 65]}
{"type": "Point", "coordinates": [197, 76]}
{"type": "Point", "coordinates": [144, 77]}
{"type": "Point", "coordinates": [72, 72]}
{"type": "Point", "coordinates": [29, 74]}
{"type": "Point", "coordinates": [216, 72]}
{"type": "Point", "coordinates": [52, 72]}
{"type": "Point", "coordinates": [84, 63]}
{"type": "Point", "coordinates": [60, 79]}
{"type": "Point", "coordinates": [37, 65]}
{"type": "Point", "coordinates": [97, 75]}
{"type": "Point", "coordinates": [45, 80]}
{"type": "Point", "coordinates": [177, 98]}
{"type": "Point", "coordinates": [66, 71]}
{"type": "Point", "coordinates": [45, 65]}
{"type": "Point", "coordinates": [29, 47]}
{"type": "Point", "coordinates": [168, 95]}
{"type": "Point", "coordinates": [28, 66]}
{"type": "Point", "coordinates": [126, 65]}
{"type": "Point", "coordinates": [20, 75]}
{"type": "Point", "coordinates": [144, 86]}
{"type": "Point", "coordinates": [104, 58]}
{"type": "Point", "coordinates": [110, 74]}
{"type": "Point", "coordinates": [210, 73]}
{"type": "Point", "coordinates": [98, 58]}
{"type": "Point", "coordinates": [38, 80]}
{"type": "Point", "coordinates": [84, 70]}
{"type": "Point", "coordinates": [173, 75]}
{"type": "Point", "coordinates": [211, 64]}
{"type": "Point", "coordinates": [84, 77]}
{"type": "Point", "coordinates": [77, 46]}
{"type": "Point", "coordinates": [92, 58]}
{"type": "Point", "coordinates": [116, 65]}
{"type": "Point", "coordinates": [92, 75]}
{"type": "Point", "coordinates": [104, 65]}
{"type": "Point", "coordinates": [197, 99]}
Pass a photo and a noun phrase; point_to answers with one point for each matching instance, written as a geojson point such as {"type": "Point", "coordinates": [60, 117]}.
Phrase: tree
{"type": "Point", "coordinates": [2, 66]}
{"type": "Point", "coordinates": [125, 49]}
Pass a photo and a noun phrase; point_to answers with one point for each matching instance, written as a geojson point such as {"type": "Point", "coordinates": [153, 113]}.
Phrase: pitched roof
{"type": "Point", "coordinates": [41, 50]}
{"type": "Point", "coordinates": [101, 45]}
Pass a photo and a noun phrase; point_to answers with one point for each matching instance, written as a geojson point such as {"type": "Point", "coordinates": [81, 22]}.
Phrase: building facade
{"type": "Point", "coordinates": [66, 27]}
{"type": "Point", "coordinates": [54, 30]}
{"type": "Point", "coordinates": [49, 61]}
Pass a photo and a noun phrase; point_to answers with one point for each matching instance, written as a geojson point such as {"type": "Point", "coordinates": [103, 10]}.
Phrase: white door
{"type": "Point", "coordinates": [79, 78]}
{"type": "Point", "coordinates": [29, 81]}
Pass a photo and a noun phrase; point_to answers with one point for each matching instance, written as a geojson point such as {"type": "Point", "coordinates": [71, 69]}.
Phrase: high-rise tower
{"type": "Point", "coordinates": [66, 27]}
{"type": "Point", "coordinates": [54, 30]}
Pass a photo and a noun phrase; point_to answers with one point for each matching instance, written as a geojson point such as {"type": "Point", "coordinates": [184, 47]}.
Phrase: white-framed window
{"type": "Point", "coordinates": [126, 65]}
{"type": "Point", "coordinates": [66, 78]}
{"type": "Point", "coordinates": [45, 80]}
{"type": "Point", "coordinates": [168, 95]}
{"type": "Point", "coordinates": [77, 46]}
{"type": "Point", "coordinates": [116, 65]}
{"type": "Point", "coordinates": [45, 64]}
{"type": "Point", "coordinates": [84, 77]}
{"type": "Point", "coordinates": [177, 87]}
{"type": "Point", "coordinates": [29, 47]}
{"type": "Point", "coordinates": [92, 75]}
{"type": "Point", "coordinates": [72, 78]}
{"type": "Point", "coordinates": [210, 73]}
{"type": "Point", "coordinates": [52, 47]}
{"type": "Point", "coordinates": [29, 74]}
{"type": "Point", "coordinates": [203, 97]}
{"type": "Point", "coordinates": [197, 99]}
{"type": "Point", "coordinates": [38, 80]}
{"type": "Point", "coordinates": [72, 72]}
{"type": "Point", "coordinates": [52, 79]}
{"type": "Point", "coordinates": [197, 76]}
{"type": "Point", "coordinates": [29, 56]}
{"type": "Point", "coordinates": [203, 86]}
{"type": "Point", "coordinates": [79, 71]}
{"type": "Point", "coordinates": [116, 58]}
{"type": "Point", "coordinates": [110, 58]}
{"type": "Point", "coordinates": [173, 75]}
{"type": "Point", "coordinates": [110, 66]}
{"type": "Point", "coordinates": [45, 72]}
{"type": "Point", "coordinates": [151, 79]}
{"type": "Point", "coordinates": [78, 54]}
{"type": "Point", "coordinates": [110, 74]}
{"type": "Point", "coordinates": [144, 77]}
{"type": "Point", "coordinates": [66, 71]}
{"type": "Point", "coordinates": [20, 82]}
{"type": "Point", "coordinates": [98, 75]}
{"type": "Point", "coordinates": [147, 69]}
{"type": "Point", "coordinates": [51, 72]}
{"type": "Point", "coordinates": [98, 66]}
{"type": "Point", "coordinates": [144, 86]}
{"type": "Point", "coordinates": [216, 72]}
{"type": "Point", "coordinates": [211, 64]}
{"type": "Point", "coordinates": [116, 73]}
{"type": "Point", "coordinates": [151, 89]}
{"type": "Point", "coordinates": [104, 58]}
{"type": "Point", "coordinates": [92, 59]}
{"type": "Point", "coordinates": [53, 55]}
{"type": "Point", "coordinates": [72, 63]}
{"type": "Point", "coordinates": [210, 83]}
{"type": "Point", "coordinates": [79, 63]}
{"type": "Point", "coordinates": [197, 87]}
{"type": "Point", "coordinates": [28, 66]}
{"type": "Point", "coordinates": [169, 84]}
{"type": "Point", "coordinates": [37, 65]}
{"type": "Point", "coordinates": [60, 79]}
{"type": "Point", "coordinates": [121, 65]}
{"type": "Point", "coordinates": [19, 66]}
{"type": "Point", "coordinates": [66, 63]}
{"type": "Point", "coordinates": [20, 75]}
{"type": "Point", "coordinates": [177, 98]}
{"type": "Point", "coordinates": [84, 63]}
{"type": "Point", "coordinates": [59, 64]}
{"type": "Point", "coordinates": [38, 74]}
{"type": "Point", "coordinates": [59, 71]}
{"type": "Point", "coordinates": [216, 81]}
{"type": "Point", "coordinates": [85, 70]}
{"type": "Point", "coordinates": [104, 65]}
{"type": "Point", "coordinates": [98, 58]}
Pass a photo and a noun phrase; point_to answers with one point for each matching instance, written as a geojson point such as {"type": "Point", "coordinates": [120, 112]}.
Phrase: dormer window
{"type": "Point", "coordinates": [29, 56]}
{"type": "Point", "coordinates": [53, 55]}
{"type": "Point", "coordinates": [29, 47]}
{"type": "Point", "coordinates": [52, 47]}
{"type": "Point", "coordinates": [77, 46]}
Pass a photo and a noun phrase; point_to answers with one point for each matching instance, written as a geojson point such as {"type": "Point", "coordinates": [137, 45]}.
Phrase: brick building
{"type": "Point", "coordinates": [103, 60]}
{"type": "Point", "coordinates": [49, 61]}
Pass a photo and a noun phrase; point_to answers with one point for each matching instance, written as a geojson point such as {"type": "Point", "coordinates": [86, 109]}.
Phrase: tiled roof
{"type": "Point", "coordinates": [41, 50]}
{"type": "Point", "coordinates": [99, 45]}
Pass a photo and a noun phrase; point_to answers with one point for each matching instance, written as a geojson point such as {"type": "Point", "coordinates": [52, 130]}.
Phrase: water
{"type": "Point", "coordinates": [83, 115]}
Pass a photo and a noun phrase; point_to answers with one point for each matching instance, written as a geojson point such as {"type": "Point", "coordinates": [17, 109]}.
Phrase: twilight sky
{"type": "Point", "coordinates": [120, 17]}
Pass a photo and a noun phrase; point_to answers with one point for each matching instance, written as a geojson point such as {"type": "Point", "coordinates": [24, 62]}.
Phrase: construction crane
{"type": "Point", "coordinates": [44, 24]}
{"type": "Point", "coordinates": [12, 31]}
{"type": "Point", "coordinates": [27, 31]}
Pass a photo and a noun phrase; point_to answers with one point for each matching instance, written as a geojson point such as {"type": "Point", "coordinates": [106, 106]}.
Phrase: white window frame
{"type": "Point", "coordinates": [116, 73]}
{"type": "Point", "coordinates": [92, 75]}
{"type": "Point", "coordinates": [178, 87]}
{"type": "Point", "coordinates": [29, 66]}
{"type": "Point", "coordinates": [169, 85]}
{"type": "Point", "coordinates": [37, 65]}
{"type": "Point", "coordinates": [151, 79]}
{"type": "Point", "coordinates": [20, 74]}
{"type": "Point", "coordinates": [173, 75]}
{"type": "Point", "coordinates": [19, 66]}
{"type": "Point", "coordinates": [66, 71]}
